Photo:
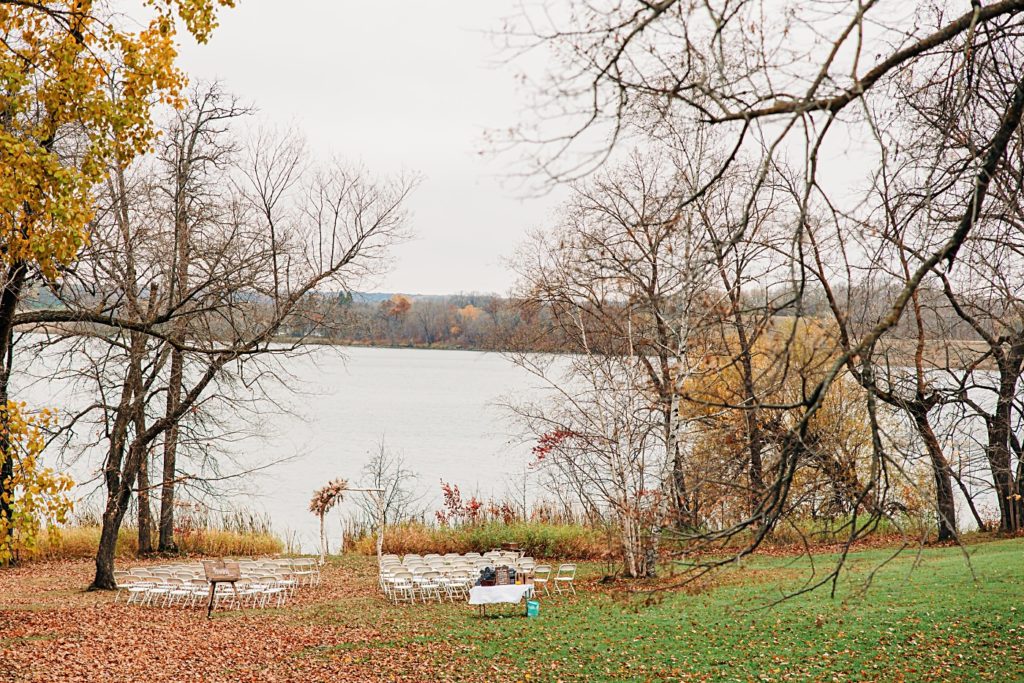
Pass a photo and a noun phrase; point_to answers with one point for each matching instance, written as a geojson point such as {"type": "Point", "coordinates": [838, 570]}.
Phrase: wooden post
{"type": "Point", "coordinates": [380, 525]}
{"type": "Point", "coordinates": [323, 540]}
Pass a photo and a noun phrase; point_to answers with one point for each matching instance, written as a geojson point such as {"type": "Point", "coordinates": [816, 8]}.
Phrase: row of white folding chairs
{"type": "Point", "coordinates": [400, 583]}
{"type": "Point", "coordinates": [405, 586]}
{"type": "Point", "coordinates": [305, 571]}
{"type": "Point", "coordinates": [256, 592]}
{"type": "Point", "coordinates": [474, 571]}
{"type": "Point", "coordinates": [525, 565]}
{"type": "Point", "coordinates": [543, 577]}
{"type": "Point", "coordinates": [422, 569]}
{"type": "Point", "coordinates": [162, 592]}
{"type": "Point", "coordinates": [158, 591]}
{"type": "Point", "coordinates": [564, 580]}
{"type": "Point", "coordinates": [164, 572]}
{"type": "Point", "coordinates": [506, 555]}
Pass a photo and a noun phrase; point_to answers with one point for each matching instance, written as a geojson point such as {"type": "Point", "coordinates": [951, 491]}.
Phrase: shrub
{"type": "Point", "coordinates": [82, 541]}
{"type": "Point", "coordinates": [556, 541]}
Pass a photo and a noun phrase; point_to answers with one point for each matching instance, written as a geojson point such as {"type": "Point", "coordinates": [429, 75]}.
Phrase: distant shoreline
{"type": "Point", "coordinates": [938, 353]}
{"type": "Point", "coordinates": [414, 346]}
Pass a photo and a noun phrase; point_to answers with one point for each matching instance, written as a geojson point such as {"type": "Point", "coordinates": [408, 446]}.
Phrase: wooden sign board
{"type": "Point", "coordinates": [501, 576]}
{"type": "Point", "coordinates": [220, 570]}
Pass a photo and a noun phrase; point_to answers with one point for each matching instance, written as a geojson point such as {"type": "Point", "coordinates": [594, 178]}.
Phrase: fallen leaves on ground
{"type": "Point", "coordinates": [51, 630]}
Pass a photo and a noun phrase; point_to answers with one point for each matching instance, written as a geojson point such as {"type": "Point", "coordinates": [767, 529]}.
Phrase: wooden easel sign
{"type": "Point", "coordinates": [221, 571]}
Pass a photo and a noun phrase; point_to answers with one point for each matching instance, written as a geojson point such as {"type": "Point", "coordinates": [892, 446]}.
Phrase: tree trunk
{"type": "Point", "coordinates": [121, 470]}
{"type": "Point", "coordinates": [651, 554]}
{"type": "Point", "coordinates": [167, 543]}
{"type": "Point", "coordinates": [145, 512]}
{"type": "Point", "coordinates": [119, 495]}
{"type": "Point", "coordinates": [1011, 510]}
{"type": "Point", "coordinates": [119, 482]}
{"type": "Point", "coordinates": [945, 505]}
{"type": "Point", "coordinates": [998, 453]}
{"type": "Point", "coordinates": [685, 509]}
{"type": "Point", "coordinates": [756, 469]}
{"type": "Point", "coordinates": [680, 505]}
{"type": "Point", "coordinates": [139, 422]}
{"type": "Point", "coordinates": [113, 515]}
{"type": "Point", "coordinates": [179, 279]}
{"type": "Point", "coordinates": [8, 306]}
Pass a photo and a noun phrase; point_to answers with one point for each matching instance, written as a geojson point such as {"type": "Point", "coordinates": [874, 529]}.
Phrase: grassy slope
{"type": "Point", "coordinates": [929, 622]}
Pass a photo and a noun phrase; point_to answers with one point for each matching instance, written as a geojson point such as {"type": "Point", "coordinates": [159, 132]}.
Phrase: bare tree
{"type": "Point", "coordinates": [598, 437]}
{"type": "Point", "coordinates": [262, 235]}
{"type": "Point", "coordinates": [385, 475]}
{"type": "Point", "coordinates": [626, 279]}
{"type": "Point", "coordinates": [191, 154]}
{"type": "Point", "coordinates": [780, 89]}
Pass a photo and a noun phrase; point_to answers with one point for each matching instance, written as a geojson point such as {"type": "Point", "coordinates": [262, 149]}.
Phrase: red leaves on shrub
{"type": "Point", "coordinates": [455, 511]}
{"type": "Point", "coordinates": [549, 442]}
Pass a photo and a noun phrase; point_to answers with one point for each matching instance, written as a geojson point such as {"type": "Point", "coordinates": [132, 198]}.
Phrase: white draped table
{"type": "Point", "coordinates": [491, 595]}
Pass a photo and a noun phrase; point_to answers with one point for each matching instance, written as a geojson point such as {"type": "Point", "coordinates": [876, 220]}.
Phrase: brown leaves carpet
{"type": "Point", "coordinates": [52, 630]}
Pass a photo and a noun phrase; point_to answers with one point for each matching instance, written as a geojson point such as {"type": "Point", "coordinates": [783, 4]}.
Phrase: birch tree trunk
{"type": "Point", "coordinates": [323, 539]}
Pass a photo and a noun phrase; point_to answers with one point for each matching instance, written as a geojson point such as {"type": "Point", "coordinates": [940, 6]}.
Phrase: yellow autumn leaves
{"type": "Point", "coordinates": [76, 91]}
{"type": "Point", "coordinates": [730, 401]}
{"type": "Point", "coordinates": [37, 495]}
{"type": "Point", "coordinates": [78, 82]}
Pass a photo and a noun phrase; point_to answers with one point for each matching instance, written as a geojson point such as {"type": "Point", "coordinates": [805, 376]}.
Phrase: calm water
{"type": "Point", "coordinates": [437, 408]}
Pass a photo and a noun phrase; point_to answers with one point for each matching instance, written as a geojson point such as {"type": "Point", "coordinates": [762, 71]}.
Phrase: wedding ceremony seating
{"type": "Point", "coordinates": [262, 583]}
{"type": "Point", "coordinates": [434, 577]}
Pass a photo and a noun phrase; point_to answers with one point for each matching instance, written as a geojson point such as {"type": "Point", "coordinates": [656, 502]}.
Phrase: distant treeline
{"type": "Point", "coordinates": [458, 321]}
{"type": "Point", "coordinates": [489, 322]}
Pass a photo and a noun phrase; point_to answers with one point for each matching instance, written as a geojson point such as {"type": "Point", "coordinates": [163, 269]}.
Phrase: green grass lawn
{"type": "Point", "coordinates": [923, 618]}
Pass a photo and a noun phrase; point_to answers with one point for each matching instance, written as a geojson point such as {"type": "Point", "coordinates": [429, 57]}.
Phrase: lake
{"type": "Point", "coordinates": [437, 408]}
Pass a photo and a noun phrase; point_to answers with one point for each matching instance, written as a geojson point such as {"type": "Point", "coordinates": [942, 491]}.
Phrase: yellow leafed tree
{"type": "Point", "coordinates": [77, 91]}
{"type": "Point", "coordinates": [739, 433]}
{"type": "Point", "coordinates": [34, 496]}
{"type": "Point", "coordinates": [78, 81]}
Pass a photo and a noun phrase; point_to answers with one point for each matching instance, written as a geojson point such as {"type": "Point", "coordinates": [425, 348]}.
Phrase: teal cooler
{"type": "Point", "coordinates": [532, 608]}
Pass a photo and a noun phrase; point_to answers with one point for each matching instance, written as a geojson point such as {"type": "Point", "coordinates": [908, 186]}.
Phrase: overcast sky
{"type": "Point", "coordinates": [395, 86]}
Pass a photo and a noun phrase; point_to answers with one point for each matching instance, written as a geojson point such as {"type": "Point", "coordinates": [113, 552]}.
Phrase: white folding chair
{"type": "Point", "coordinates": [402, 587]}
{"type": "Point", "coordinates": [137, 588]}
{"type": "Point", "coordinates": [541, 577]}
{"type": "Point", "coordinates": [178, 592]}
{"type": "Point", "coordinates": [157, 591]}
{"type": "Point", "coordinates": [566, 576]}
{"type": "Point", "coordinates": [429, 585]}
